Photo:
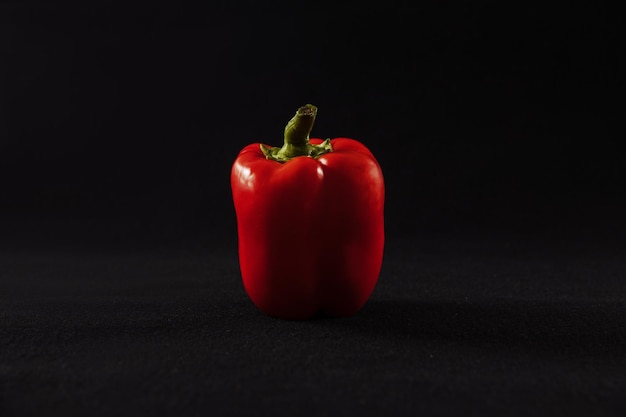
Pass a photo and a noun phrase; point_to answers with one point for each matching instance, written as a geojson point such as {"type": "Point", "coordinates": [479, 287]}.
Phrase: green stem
{"type": "Point", "coordinates": [297, 134]}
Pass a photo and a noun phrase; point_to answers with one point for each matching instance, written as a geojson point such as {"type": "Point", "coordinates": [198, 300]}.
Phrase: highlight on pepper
{"type": "Point", "coordinates": [292, 265]}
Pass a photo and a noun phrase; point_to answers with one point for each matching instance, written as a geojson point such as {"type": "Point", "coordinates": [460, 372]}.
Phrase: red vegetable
{"type": "Point", "coordinates": [310, 222]}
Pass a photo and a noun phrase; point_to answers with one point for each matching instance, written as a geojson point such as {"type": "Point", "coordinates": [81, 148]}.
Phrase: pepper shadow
{"type": "Point", "coordinates": [541, 325]}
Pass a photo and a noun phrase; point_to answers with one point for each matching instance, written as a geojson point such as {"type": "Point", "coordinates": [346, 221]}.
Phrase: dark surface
{"type": "Point", "coordinates": [487, 326]}
{"type": "Point", "coordinates": [503, 289]}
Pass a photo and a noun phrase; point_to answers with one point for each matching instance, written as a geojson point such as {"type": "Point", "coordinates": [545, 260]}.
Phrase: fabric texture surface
{"type": "Point", "coordinates": [472, 326]}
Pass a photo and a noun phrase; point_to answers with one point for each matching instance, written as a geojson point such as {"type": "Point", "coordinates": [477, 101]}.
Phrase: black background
{"type": "Point", "coordinates": [495, 126]}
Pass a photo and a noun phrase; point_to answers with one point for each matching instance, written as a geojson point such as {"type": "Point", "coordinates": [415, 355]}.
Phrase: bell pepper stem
{"type": "Point", "coordinates": [299, 127]}
{"type": "Point", "coordinates": [296, 138]}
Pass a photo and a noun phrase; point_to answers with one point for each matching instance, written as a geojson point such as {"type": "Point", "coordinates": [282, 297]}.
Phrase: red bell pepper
{"type": "Point", "coordinates": [310, 222]}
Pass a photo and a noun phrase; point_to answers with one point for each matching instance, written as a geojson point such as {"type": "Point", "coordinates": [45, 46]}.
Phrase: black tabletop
{"type": "Point", "coordinates": [458, 325]}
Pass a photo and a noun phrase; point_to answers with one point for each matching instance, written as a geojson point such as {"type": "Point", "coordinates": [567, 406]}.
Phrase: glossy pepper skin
{"type": "Point", "coordinates": [310, 228]}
